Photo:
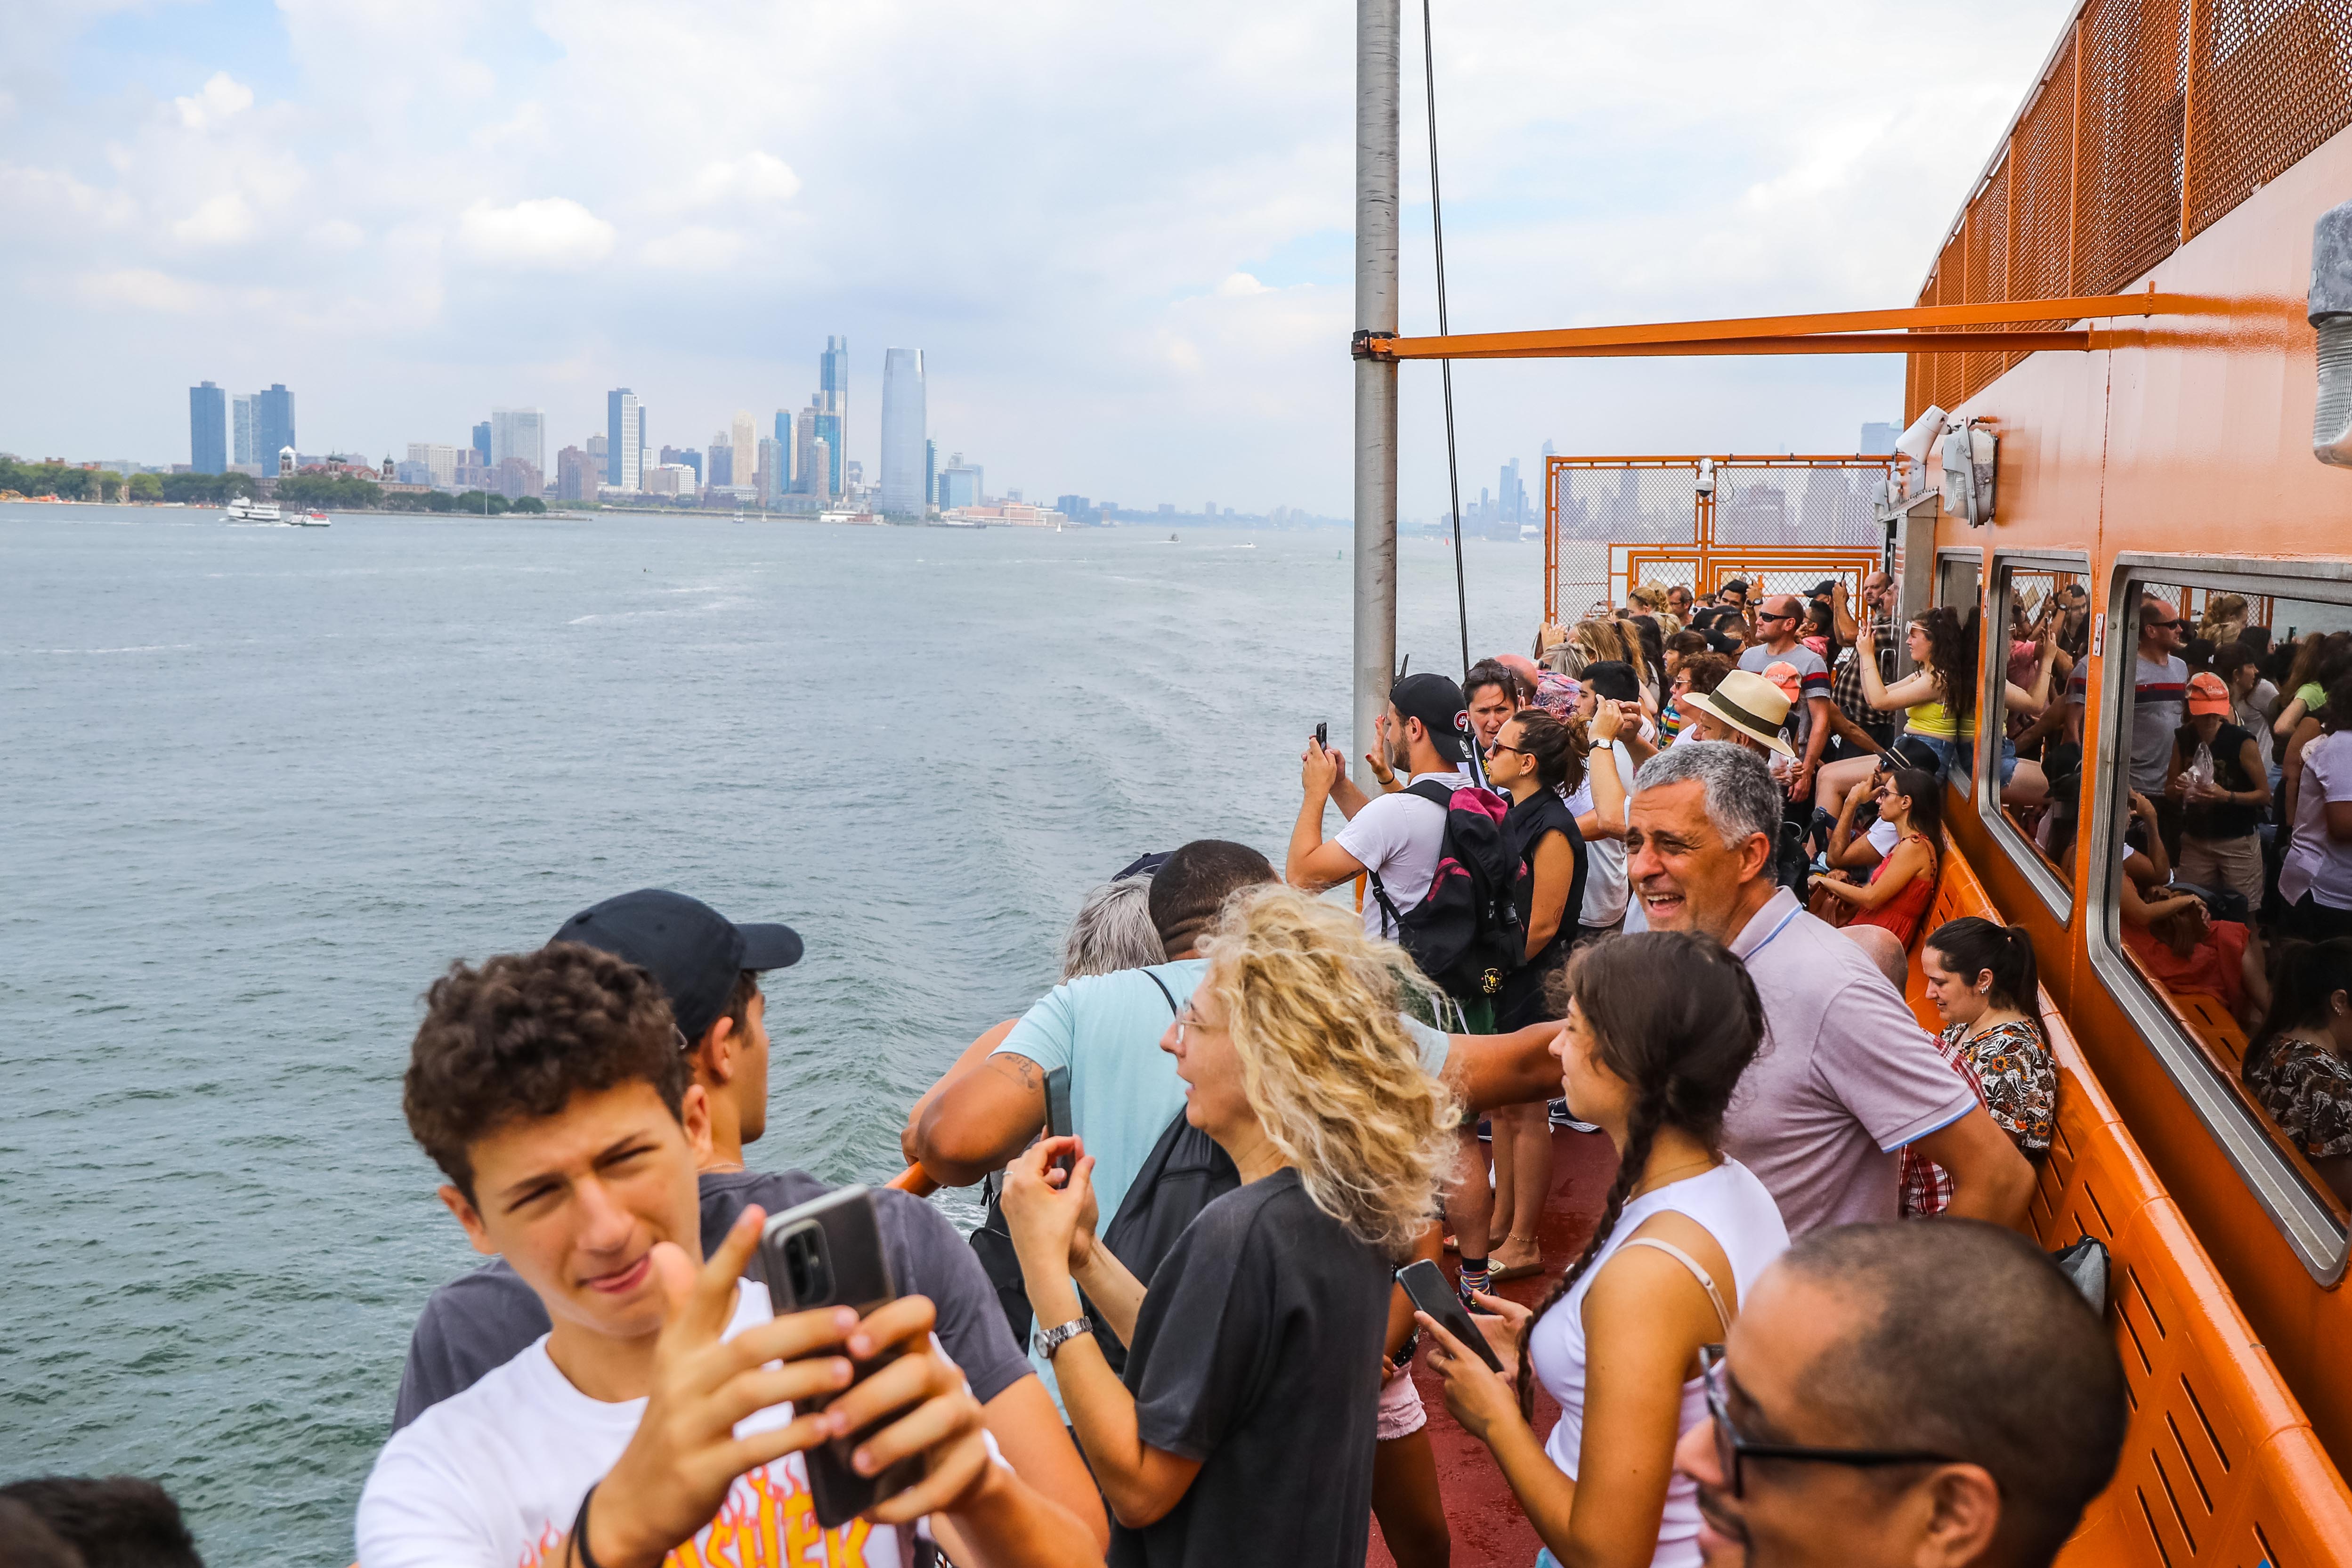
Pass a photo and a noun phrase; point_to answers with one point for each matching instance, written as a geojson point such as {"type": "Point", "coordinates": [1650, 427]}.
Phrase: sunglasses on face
{"type": "Point", "coordinates": [1732, 1450]}
{"type": "Point", "coordinates": [1494, 746]}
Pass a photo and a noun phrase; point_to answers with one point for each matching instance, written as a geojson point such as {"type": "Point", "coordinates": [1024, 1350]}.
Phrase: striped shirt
{"type": "Point", "coordinates": [2160, 699]}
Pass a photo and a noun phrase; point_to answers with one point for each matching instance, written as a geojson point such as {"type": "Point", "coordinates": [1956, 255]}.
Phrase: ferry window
{"type": "Point", "coordinates": [1956, 582]}
{"type": "Point", "coordinates": [2231, 729]}
{"type": "Point", "coordinates": [2043, 622]}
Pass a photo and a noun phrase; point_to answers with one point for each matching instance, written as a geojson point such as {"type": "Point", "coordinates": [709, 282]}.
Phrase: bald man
{"type": "Point", "coordinates": [1939, 1390]}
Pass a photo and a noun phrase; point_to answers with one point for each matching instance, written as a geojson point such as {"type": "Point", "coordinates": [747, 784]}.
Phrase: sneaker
{"type": "Point", "coordinates": [1481, 1281]}
{"type": "Point", "coordinates": [1561, 1117]}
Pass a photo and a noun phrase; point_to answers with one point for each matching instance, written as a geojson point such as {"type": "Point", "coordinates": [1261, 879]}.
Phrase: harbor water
{"type": "Point", "coordinates": [260, 784]}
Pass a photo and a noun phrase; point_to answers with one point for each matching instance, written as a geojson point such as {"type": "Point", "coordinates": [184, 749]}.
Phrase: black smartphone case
{"type": "Point", "coordinates": [860, 1278]}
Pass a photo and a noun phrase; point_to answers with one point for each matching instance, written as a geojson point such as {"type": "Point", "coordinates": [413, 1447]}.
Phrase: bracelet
{"type": "Point", "coordinates": [579, 1537]}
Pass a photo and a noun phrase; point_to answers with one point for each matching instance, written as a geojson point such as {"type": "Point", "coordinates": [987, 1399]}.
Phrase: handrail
{"type": "Point", "coordinates": [1890, 331]}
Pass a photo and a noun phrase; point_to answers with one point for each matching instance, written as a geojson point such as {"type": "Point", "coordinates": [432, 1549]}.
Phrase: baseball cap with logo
{"type": "Point", "coordinates": [694, 953]}
{"type": "Point", "coordinates": [2208, 694]}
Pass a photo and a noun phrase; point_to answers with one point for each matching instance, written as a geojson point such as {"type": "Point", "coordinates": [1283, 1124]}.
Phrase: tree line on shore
{"type": "Point", "coordinates": [70, 483]}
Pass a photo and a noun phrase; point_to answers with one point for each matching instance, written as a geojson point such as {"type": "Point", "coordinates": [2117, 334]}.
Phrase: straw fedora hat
{"type": "Point", "coordinates": [1750, 704]}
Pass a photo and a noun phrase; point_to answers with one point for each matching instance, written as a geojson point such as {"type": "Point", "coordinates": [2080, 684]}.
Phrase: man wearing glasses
{"type": "Point", "coordinates": [1941, 1391]}
{"type": "Point", "coordinates": [2160, 692]}
{"type": "Point", "coordinates": [1778, 623]}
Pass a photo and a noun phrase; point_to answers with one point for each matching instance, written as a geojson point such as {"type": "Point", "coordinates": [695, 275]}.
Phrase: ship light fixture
{"type": "Point", "coordinates": [2331, 316]}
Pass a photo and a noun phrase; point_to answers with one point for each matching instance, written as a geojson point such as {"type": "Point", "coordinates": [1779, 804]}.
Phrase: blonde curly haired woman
{"type": "Point", "coordinates": [1242, 1430]}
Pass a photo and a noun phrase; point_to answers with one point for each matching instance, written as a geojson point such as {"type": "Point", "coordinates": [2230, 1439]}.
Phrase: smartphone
{"type": "Point", "coordinates": [828, 1252]}
{"type": "Point", "coordinates": [1426, 1287]}
{"type": "Point", "coordinates": [1323, 736]}
{"type": "Point", "coordinates": [1057, 1113]}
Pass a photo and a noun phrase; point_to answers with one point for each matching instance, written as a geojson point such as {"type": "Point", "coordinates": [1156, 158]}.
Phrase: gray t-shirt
{"type": "Point", "coordinates": [1812, 680]}
{"type": "Point", "coordinates": [480, 1322]}
{"type": "Point", "coordinates": [1845, 1079]}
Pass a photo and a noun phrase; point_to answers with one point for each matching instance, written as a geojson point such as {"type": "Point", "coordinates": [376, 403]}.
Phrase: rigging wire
{"type": "Point", "coordinates": [1445, 366]}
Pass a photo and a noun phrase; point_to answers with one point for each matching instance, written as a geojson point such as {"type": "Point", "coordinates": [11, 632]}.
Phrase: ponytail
{"type": "Point", "coordinates": [1971, 945]}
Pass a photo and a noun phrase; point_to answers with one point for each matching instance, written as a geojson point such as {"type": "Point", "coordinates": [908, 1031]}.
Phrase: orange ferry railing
{"type": "Point", "coordinates": [2150, 120]}
{"type": "Point", "coordinates": [1781, 522]}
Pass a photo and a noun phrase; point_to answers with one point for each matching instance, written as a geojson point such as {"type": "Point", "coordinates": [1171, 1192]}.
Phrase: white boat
{"type": "Point", "coordinates": [242, 511]}
{"type": "Point", "coordinates": [309, 519]}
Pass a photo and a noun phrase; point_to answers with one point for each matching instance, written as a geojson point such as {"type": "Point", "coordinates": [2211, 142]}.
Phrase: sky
{"type": "Point", "coordinates": [1121, 233]}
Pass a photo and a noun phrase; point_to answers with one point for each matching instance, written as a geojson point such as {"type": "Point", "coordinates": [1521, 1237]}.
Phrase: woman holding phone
{"type": "Point", "coordinates": [1257, 1346]}
{"type": "Point", "coordinates": [1684, 1233]}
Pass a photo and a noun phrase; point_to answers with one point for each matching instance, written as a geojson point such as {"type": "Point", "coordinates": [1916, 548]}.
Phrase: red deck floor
{"type": "Point", "coordinates": [1489, 1532]}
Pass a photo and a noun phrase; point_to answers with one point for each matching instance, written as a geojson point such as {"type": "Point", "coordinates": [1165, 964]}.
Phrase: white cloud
{"type": "Point", "coordinates": [145, 288]}
{"type": "Point", "coordinates": [1240, 283]}
{"type": "Point", "coordinates": [551, 234]}
{"type": "Point", "coordinates": [695, 248]}
{"type": "Point", "coordinates": [223, 219]}
{"type": "Point", "coordinates": [223, 97]}
{"type": "Point", "coordinates": [337, 234]}
{"type": "Point", "coordinates": [754, 179]}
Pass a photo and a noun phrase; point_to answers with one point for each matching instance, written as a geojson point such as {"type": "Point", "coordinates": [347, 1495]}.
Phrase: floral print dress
{"type": "Point", "coordinates": [2307, 1090]}
{"type": "Point", "coordinates": [2016, 1078]}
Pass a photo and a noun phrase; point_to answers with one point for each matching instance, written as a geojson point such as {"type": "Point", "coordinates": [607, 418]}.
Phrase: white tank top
{"type": "Point", "coordinates": [1734, 1208]}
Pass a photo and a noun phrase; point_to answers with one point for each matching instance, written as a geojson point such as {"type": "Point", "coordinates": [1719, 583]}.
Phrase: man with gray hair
{"type": "Point", "coordinates": [1847, 1079]}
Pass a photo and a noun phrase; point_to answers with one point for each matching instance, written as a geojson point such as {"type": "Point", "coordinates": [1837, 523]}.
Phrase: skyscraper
{"type": "Point", "coordinates": [833, 405]}
{"type": "Point", "coordinates": [625, 430]}
{"type": "Point", "coordinates": [520, 433]}
{"type": "Point", "coordinates": [746, 442]}
{"type": "Point", "coordinates": [959, 483]}
{"type": "Point", "coordinates": [440, 461]}
{"type": "Point", "coordinates": [819, 481]}
{"type": "Point", "coordinates": [784, 449]}
{"type": "Point", "coordinates": [721, 461]}
{"type": "Point", "coordinates": [772, 471]}
{"type": "Point", "coordinates": [482, 445]}
{"type": "Point", "coordinates": [207, 429]}
{"type": "Point", "coordinates": [273, 423]}
{"type": "Point", "coordinates": [902, 433]}
{"type": "Point", "coordinates": [1878, 439]}
{"type": "Point", "coordinates": [931, 472]}
{"type": "Point", "coordinates": [240, 440]}
{"type": "Point", "coordinates": [805, 449]}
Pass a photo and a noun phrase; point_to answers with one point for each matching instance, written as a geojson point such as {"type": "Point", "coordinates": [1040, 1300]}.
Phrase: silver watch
{"type": "Point", "coordinates": [1046, 1342]}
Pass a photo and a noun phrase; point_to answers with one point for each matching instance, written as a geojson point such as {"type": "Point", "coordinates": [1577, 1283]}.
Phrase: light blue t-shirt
{"type": "Point", "coordinates": [1124, 1091]}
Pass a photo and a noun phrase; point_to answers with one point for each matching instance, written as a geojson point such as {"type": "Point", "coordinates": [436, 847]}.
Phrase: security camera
{"type": "Point", "coordinates": [1706, 476]}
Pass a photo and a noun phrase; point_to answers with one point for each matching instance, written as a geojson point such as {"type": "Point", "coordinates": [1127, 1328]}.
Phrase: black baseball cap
{"type": "Point", "coordinates": [1437, 701]}
{"type": "Point", "coordinates": [693, 952]}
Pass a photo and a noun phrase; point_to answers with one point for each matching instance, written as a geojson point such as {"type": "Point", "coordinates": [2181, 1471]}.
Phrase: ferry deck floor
{"type": "Point", "coordinates": [1489, 1530]}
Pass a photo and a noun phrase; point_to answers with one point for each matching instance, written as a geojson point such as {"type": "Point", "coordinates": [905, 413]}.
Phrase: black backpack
{"type": "Point", "coordinates": [1465, 934]}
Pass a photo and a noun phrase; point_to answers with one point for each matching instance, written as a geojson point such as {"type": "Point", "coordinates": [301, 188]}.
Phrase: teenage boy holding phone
{"type": "Point", "coordinates": [550, 1088]}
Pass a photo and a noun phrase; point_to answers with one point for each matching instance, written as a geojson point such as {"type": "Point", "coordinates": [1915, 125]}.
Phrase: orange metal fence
{"type": "Point", "coordinates": [2151, 120]}
{"type": "Point", "coordinates": [1782, 523]}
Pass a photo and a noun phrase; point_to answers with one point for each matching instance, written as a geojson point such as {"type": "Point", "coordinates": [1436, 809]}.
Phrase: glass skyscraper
{"type": "Point", "coordinates": [273, 424]}
{"type": "Point", "coordinates": [903, 458]}
{"type": "Point", "coordinates": [833, 403]}
{"type": "Point", "coordinates": [625, 432]}
{"type": "Point", "coordinates": [207, 429]}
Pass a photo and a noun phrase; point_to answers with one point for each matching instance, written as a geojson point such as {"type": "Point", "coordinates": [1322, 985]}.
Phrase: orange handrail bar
{"type": "Point", "coordinates": [1816, 333]}
{"type": "Point", "coordinates": [1541, 345]}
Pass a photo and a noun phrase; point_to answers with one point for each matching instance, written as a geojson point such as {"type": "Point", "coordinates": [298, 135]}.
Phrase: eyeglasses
{"type": "Point", "coordinates": [1732, 1449]}
{"type": "Point", "coordinates": [2158, 626]}
{"type": "Point", "coordinates": [1792, 615]}
{"type": "Point", "coordinates": [1494, 746]}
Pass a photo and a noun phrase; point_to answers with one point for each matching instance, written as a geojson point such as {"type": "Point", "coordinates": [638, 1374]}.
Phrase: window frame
{"type": "Point", "coordinates": [2048, 886]}
{"type": "Point", "coordinates": [1946, 555]}
{"type": "Point", "coordinates": [2319, 1240]}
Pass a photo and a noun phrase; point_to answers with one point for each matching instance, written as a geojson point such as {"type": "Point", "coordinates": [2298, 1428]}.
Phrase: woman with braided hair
{"type": "Point", "coordinates": [1684, 1234]}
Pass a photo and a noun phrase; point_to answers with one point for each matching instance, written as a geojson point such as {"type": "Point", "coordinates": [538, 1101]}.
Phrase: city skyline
{"type": "Point", "coordinates": [1142, 290]}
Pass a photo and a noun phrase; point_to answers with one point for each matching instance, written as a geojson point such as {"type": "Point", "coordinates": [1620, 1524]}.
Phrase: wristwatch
{"type": "Point", "coordinates": [1046, 1342]}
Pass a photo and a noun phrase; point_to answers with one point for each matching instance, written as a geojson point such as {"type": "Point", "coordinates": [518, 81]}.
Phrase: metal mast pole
{"type": "Point", "coordinates": [1378, 56]}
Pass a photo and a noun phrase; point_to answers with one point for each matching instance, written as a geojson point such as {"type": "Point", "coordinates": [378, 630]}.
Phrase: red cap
{"type": "Point", "coordinates": [2207, 694]}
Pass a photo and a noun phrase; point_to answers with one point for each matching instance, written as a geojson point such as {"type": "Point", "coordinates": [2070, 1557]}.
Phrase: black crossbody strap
{"type": "Point", "coordinates": [1170, 995]}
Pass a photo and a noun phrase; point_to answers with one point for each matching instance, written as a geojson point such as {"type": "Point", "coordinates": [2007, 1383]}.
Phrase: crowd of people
{"type": "Point", "coordinates": [1180, 1338]}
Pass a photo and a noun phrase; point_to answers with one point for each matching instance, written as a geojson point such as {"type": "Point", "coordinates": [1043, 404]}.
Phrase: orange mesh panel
{"type": "Point", "coordinates": [1987, 239]}
{"type": "Point", "coordinates": [2043, 152]}
{"type": "Point", "coordinates": [1951, 289]}
{"type": "Point", "coordinates": [2127, 187]}
{"type": "Point", "coordinates": [2273, 80]}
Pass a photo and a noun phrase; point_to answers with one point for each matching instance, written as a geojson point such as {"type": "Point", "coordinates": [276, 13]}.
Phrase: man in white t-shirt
{"type": "Point", "coordinates": [1397, 837]}
{"type": "Point", "coordinates": [1607, 906]}
{"type": "Point", "coordinates": [1778, 622]}
{"type": "Point", "coordinates": [659, 1411]}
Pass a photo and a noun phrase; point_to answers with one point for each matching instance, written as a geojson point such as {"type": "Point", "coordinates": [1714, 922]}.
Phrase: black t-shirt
{"type": "Point", "coordinates": [1258, 1352]}
{"type": "Point", "coordinates": [1521, 1001]}
{"type": "Point", "coordinates": [481, 1320]}
{"type": "Point", "coordinates": [2224, 820]}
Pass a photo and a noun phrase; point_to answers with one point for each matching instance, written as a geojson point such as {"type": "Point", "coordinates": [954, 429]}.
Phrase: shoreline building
{"type": "Point", "coordinates": [745, 440]}
{"type": "Point", "coordinates": [959, 484]}
{"type": "Point", "coordinates": [438, 460]}
{"type": "Point", "coordinates": [832, 404]}
{"type": "Point", "coordinates": [241, 440]}
{"type": "Point", "coordinates": [771, 471]}
{"type": "Point", "coordinates": [273, 423]}
{"type": "Point", "coordinates": [624, 431]}
{"type": "Point", "coordinates": [787, 471]}
{"type": "Point", "coordinates": [207, 429]}
{"type": "Point", "coordinates": [904, 463]}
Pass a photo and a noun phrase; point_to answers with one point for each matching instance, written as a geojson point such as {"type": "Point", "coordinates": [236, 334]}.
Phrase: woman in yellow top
{"type": "Point", "coordinates": [1939, 703]}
